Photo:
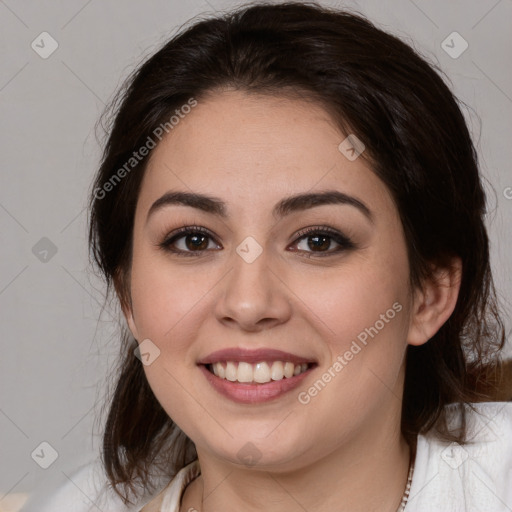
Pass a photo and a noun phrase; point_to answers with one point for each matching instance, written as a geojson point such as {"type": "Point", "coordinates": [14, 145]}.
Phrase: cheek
{"type": "Point", "coordinates": [163, 297]}
{"type": "Point", "coordinates": [166, 306]}
{"type": "Point", "coordinates": [358, 299]}
{"type": "Point", "coordinates": [363, 317]}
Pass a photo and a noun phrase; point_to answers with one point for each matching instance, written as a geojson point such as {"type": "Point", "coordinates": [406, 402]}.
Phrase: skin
{"type": "Point", "coordinates": [343, 450]}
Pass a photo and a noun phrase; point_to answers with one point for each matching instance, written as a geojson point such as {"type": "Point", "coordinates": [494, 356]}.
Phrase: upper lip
{"type": "Point", "coordinates": [253, 356]}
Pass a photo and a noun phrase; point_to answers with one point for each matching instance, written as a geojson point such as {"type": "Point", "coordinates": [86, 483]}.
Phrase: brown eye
{"type": "Point", "coordinates": [188, 240]}
{"type": "Point", "coordinates": [195, 242]}
{"type": "Point", "coordinates": [319, 240]}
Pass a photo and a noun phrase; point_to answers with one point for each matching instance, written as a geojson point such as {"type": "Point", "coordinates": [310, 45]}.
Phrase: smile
{"type": "Point", "coordinates": [259, 373]}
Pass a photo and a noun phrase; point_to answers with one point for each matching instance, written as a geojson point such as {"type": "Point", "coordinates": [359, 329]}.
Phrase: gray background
{"type": "Point", "coordinates": [57, 341]}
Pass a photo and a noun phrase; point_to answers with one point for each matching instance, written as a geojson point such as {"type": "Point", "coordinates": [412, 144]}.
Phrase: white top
{"type": "Point", "coordinates": [448, 477]}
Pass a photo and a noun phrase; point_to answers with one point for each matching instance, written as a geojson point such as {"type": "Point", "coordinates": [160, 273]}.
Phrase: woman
{"type": "Point", "coordinates": [290, 212]}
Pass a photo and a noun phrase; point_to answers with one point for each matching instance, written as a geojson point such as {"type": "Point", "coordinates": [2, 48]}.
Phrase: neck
{"type": "Point", "coordinates": [369, 473]}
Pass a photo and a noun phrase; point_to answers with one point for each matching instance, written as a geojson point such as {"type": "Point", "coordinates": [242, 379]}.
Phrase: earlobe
{"type": "Point", "coordinates": [434, 304]}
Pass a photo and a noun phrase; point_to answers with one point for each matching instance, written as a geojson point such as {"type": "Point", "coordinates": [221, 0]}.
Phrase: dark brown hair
{"type": "Point", "coordinates": [374, 86]}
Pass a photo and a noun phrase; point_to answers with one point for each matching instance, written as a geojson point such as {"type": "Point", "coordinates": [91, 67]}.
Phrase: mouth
{"type": "Point", "coordinates": [253, 376]}
{"type": "Point", "coordinates": [259, 373]}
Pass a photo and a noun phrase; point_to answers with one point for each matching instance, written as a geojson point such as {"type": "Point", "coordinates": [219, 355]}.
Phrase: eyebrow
{"type": "Point", "coordinates": [299, 202]}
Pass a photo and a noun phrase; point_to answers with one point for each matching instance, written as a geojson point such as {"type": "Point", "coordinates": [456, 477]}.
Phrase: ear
{"type": "Point", "coordinates": [128, 314]}
{"type": "Point", "coordinates": [433, 305]}
{"type": "Point", "coordinates": [122, 291]}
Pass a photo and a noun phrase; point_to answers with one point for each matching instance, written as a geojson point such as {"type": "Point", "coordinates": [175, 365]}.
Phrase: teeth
{"type": "Point", "coordinates": [245, 372]}
{"type": "Point", "coordinates": [277, 371]}
{"type": "Point", "coordinates": [231, 371]}
{"type": "Point", "coordinates": [261, 373]}
{"type": "Point", "coordinates": [288, 370]}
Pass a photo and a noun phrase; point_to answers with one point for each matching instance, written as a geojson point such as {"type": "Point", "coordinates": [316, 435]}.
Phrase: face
{"type": "Point", "coordinates": [324, 281]}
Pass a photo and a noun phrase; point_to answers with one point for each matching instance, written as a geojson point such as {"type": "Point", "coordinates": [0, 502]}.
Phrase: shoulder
{"type": "Point", "coordinates": [84, 490]}
{"type": "Point", "coordinates": [173, 494]}
{"type": "Point", "coordinates": [449, 477]}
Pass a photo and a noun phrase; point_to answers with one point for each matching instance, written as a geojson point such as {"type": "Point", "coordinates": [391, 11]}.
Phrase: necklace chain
{"type": "Point", "coordinates": [405, 496]}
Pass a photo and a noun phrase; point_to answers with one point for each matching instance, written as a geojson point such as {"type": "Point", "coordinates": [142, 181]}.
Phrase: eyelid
{"type": "Point", "coordinates": [319, 229]}
{"type": "Point", "coordinates": [182, 231]}
{"type": "Point", "coordinates": [186, 229]}
{"type": "Point", "coordinates": [345, 242]}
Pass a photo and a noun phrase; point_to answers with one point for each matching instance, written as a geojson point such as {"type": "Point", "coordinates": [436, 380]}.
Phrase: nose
{"type": "Point", "coordinates": [253, 296]}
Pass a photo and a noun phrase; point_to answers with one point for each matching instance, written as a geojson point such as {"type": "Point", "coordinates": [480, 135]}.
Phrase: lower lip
{"type": "Point", "coordinates": [253, 393]}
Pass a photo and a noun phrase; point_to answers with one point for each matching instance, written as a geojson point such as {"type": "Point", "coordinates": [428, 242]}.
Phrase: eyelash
{"type": "Point", "coordinates": [343, 241]}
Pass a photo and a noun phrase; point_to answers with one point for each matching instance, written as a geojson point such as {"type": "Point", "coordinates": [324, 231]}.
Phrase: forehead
{"type": "Point", "coordinates": [246, 148]}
